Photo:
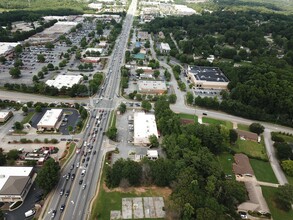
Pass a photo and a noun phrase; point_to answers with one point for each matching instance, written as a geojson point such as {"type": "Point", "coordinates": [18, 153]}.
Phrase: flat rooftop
{"type": "Point", "coordinates": [50, 117]}
{"type": "Point", "coordinates": [144, 85]}
{"type": "Point", "coordinates": [204, 73]}
{"type": "Point", "coordinates": [3, 114]}
{"type": "Point", "coordinates": [144, 125]}
{"type": "Point", "coordinates": [15, 172]}
{"type": "Point", "coordinates": [5, 46]}
{"type": "Point", "coordinates": [64, 80]}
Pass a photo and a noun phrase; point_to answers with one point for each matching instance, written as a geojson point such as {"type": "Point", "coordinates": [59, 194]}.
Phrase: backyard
{"type": "Point", "coordinates": [263, 171]}
{"type": "Point", "coordinates": [250, 148]}
{"type": "Point", "coordinates": [226, 160]}
{"type": "Point", "coordinates": [277, 214]}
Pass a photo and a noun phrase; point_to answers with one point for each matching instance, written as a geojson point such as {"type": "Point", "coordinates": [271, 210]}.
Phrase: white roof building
{"type": "Point", "coordinates": [152, 154]}
{"type": "Point", "coordinates": [50, 119]}
{"type": "Point", "coordinates": [5, 116]}
{"type": "Point", "coordinates": [98, 6]}
{"type": "Point", "coordinates": [151, 87]}
{"type": "Point", "coordinates": [64, 80]}
{"type": "Point", "coordinates": [144, 126]}
{"type": "Point", "coordinates": [165, 48]}
{"type": "Point", "coordinates": [6, 48]}
{"type": "Point", "coordinates": [14, 183]}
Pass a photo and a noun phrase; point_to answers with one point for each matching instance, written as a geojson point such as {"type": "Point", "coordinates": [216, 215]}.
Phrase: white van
{"type": "Point", "coordinates": [30, 213]}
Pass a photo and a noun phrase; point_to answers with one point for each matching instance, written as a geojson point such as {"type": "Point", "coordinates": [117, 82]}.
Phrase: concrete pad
{"type": "Point", "coordinates": [115, 214]}
{"type": "Point", "coordinates": [137, 208]}
{"type": "Point", "coordinates": [150, 210]}
{"type": "Point", "coordinates": [127, 208]}
{"type": "Point", "coordinates": [159, 205]}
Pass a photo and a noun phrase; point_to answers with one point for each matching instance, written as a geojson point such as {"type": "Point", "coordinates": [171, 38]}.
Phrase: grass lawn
{"type": "Point", "coordinates": [28, 117]}
{"type": "Point", "coordinates": [112, 200]}
{"type": "Point", "coordinates": [277, 214]}
{"type": "Point", "coordinates": [263, 171]}
{"type": "Point", "coordinates": [250, 148]}
{"type": "Point", "coordinates": [226, 160]}
{"type": "Point", "coordinates": [227, 124]}
{"type": "Point", "coordinates": [188, 116]}
{"type": "Point", "coordinates": [112, 119]}
{"type": "Point", "coordinates": [243, 127]}
{"type": "Point", "coordinates": [290, 179]}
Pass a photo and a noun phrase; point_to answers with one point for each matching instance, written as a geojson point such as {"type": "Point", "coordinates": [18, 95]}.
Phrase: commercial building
{"type": "Point", "coordinates": [64, 81]}
{"type": "Point", "coordinates": [15, 183]}
{"type": "Point", "coordinates": [4, 116]}
{"type": "Point", "coordinates": [7, 49]}
{"type": "Point", "coordinates": [165, 48]}
{"type": "Point", "coordinates": [152, 87]}
{"type": "Point", "coordinates": [144, 126]}
{"type": "Point", "coordinates": [52, 34]}
{"type": "Point", "coordinates": [50, 120]}
{"type": "Point", "coordinates": [207, 77]}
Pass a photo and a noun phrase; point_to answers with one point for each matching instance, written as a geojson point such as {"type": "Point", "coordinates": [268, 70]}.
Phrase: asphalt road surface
{"type": "Point", "coordinates": [81, 194]}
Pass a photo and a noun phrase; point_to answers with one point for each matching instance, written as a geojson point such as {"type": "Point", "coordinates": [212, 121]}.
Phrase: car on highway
{"type": "Point", "coordinates": [80, 182]}
{"type": "Point", "coordinates": [94, 152]}
{"type": "Point", "coordinates": [83, 186]}
{"type": "Point", "coordinates": [67, 193]}
{"type": "Point", "coordinates": [72, 176]}
{"type": "Point", "coordinates": [61, 192]}
{"type": "Point", "coordinates": [88, 158]}
{"type": "Point", "coordinates": [77, 165]}
{"type": "Point", "coordinates": [67, 176]}
{"type": "Point", "coordinates": [53, 214]}
{"type": "Point", "coordinates": [83, 160]}
{"type": "Point", "coordinates": [62, 207]}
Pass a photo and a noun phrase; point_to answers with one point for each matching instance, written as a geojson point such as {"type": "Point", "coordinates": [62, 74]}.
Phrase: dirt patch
{"type": "Point", "coordinates": [162, 191]}
{"type": "Point", "coordinates": [186, 121]}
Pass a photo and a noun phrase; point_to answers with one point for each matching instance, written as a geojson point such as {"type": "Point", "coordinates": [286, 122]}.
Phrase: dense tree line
{"type": "Point", "coordinates": [262, 88]}
{"type": "Point", "coordinates": [79, 90]}
{"type": "Point", "coordinates": [199, 187]}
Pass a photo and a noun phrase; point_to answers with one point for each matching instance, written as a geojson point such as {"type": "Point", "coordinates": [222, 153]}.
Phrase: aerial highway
{"type": "Point", "coordinates": [72, 196]}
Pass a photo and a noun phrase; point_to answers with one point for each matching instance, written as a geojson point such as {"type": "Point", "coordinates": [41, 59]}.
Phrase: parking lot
{"type": "Point", "coordinates": [31, 65]}
{"type": "Point", "coordinates": [72, 119]}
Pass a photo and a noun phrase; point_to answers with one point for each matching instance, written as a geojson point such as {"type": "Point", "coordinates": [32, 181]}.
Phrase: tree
{"type": "Point", "coordinates": [2, 158]}
{"type": "Point", "coordinates": [48, 176]}
{"type": "Point", "coordinates": [15, 72]}
{"type": "Point", "coordinates": [18, 63]}
{"type": "Point", "coordinates": [24, 109]}
{"type": "Point", "coordinates": [12, 154]}
{"type": "Point", "coordinates": [256, 128]}
{"type": "Point", "coordinates": [49, 45]}
{"type": "Point", "coordinates": [154, 141]}
{"type": "Point", "coordinates": [156, 73]}
{"type": "Point", "coordinates": [284, 151]}
{"type": "Point", "coordinates": [35, 78]}
{"type": "Point", "coordinates": [41, 58]}
{"type": "Point", "coordinates": [233, 136]}
{"type": "Point", "coordinates": [112, 133]}
{"type": "Point", "coordinates": [189, 98]}
{"type": "Point", "coordinates": [50, 66]}
{"type": "Point", "coordinates": [2, 59]}
{"type": "Point", "coordinates": [18, 126]}
{"type": "Point", "coordinates": [287, 166]}
{"type": "Point", "coordinates": [122, 108]}
{"type": "Point", "coordinates": [172, 98]}
{"type": "Point", "coordinates": [146, 105]}
{"type": "Point", "coordinates": [38, 108]}
{"type": "Point", "coordinates": [284, 197]}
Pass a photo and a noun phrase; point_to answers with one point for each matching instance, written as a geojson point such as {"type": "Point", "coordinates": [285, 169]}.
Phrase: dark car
{"type": "Point", "coordinates": [67, 193]}
{"type": "Point", "coordinates": [62, 207]}
{"type": "Point", "coordinates": [72, 176]}
{"type": "Point", "coordinates": [95, 152]}
{"type": "Point", "coordinates": [83, 160]}
{"type": "Point", "coordinates": [88, 158]}
{"type": "Point", "coordinates": [204, 113]}
{"type": "Point", "coordinates": [80, 182]}
{"type": "Point", "coordinates": [53, 214]}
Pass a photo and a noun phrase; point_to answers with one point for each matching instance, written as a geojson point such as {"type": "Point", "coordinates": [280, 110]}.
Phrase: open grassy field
{"type": "Point", "coordinates": [250, 148]}
{"type": "Point", "coordinates": [277, 214]}
{"type": "Point", "coordinates": [226, 160]}
{"type": "Point", "coordinates": [227, 124]}
{"type": "Point", "coordinates": [243, 127]}
{"type": "Point", "coordinates": [263, 171]}
{"type": "Point", "coordinates": [108, 200]}
{"type": "Point", "coordinates": [188, 116]}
